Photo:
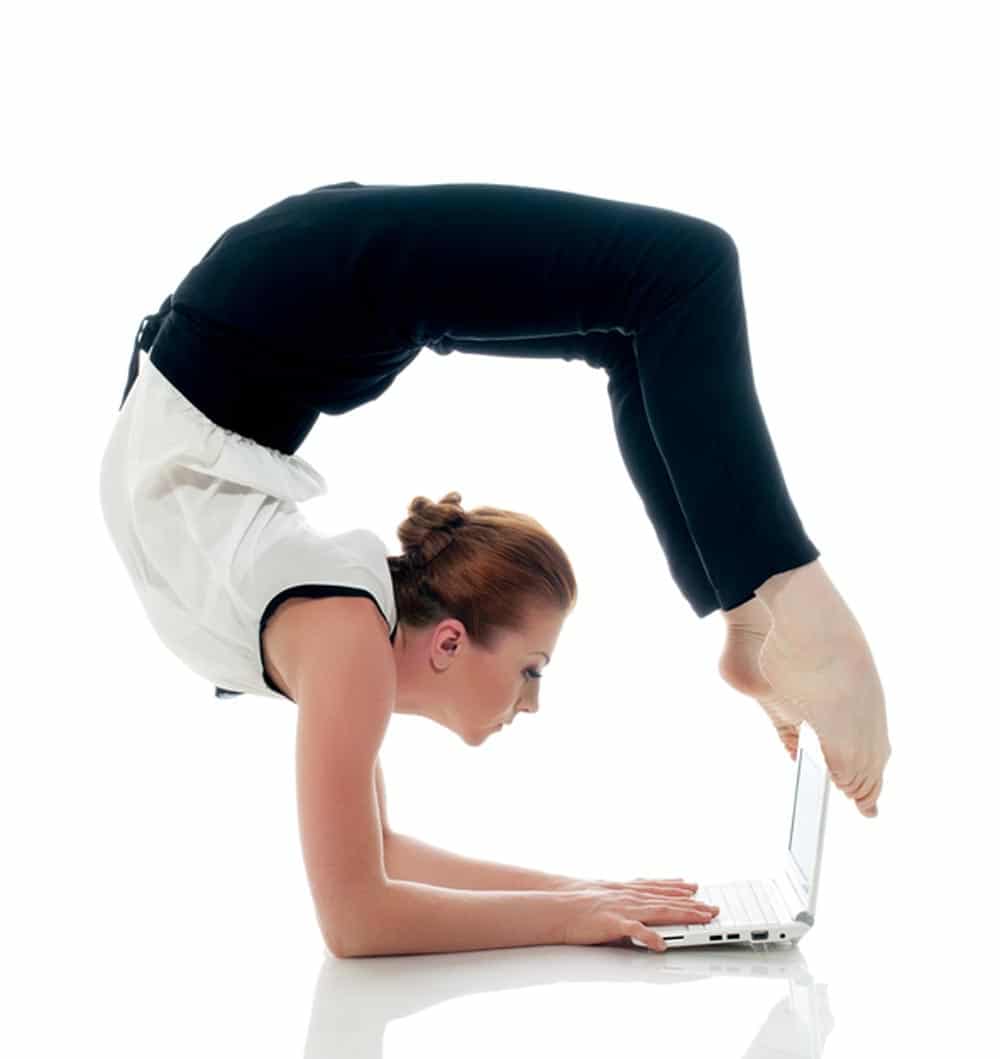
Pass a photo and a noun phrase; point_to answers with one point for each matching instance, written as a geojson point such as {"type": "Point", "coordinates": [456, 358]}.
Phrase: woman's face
{"type": "Point", "coordinates": [442, 675]}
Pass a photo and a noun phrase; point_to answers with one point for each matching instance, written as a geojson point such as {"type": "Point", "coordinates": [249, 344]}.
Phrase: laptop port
{"type": "Point", "coordinates": [715, 937]}
{"type": "Point", "coordinates": [732, 937]}
{"type": "Point", "coordinates": [758, 935]}
{"type": "Point", "coordinates": [674, 937]}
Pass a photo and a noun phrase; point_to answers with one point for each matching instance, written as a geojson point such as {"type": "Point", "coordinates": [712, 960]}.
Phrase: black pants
{"type": "Point", "coordinates": [654, 298]}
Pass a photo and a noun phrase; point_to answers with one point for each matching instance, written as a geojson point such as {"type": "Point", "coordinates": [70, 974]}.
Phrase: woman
{"type": "Point", "coordinates": [314, 305]}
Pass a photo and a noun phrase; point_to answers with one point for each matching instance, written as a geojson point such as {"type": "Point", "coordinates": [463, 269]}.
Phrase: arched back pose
{"type": "Point", "coordinates": [314, 305]}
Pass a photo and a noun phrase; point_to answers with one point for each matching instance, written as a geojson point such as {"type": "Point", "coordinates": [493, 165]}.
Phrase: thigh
{"type": "Point", "coordinates": [498, 261]}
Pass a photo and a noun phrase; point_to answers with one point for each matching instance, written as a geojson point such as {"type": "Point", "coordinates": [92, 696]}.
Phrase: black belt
{"type": "Point", "coordinates": [144, 339]}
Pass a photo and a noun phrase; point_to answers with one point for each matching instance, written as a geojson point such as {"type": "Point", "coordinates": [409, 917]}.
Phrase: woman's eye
{"type": "Point", "coordinates": [533, 674]}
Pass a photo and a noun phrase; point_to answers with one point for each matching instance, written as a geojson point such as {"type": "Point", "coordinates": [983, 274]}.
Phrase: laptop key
{"type": "Point", "coordinates": [753, 913]}
{"type": "Point", "coordinates": [781, 911]}
{"type": "Point", "coordinates": [762, 893]}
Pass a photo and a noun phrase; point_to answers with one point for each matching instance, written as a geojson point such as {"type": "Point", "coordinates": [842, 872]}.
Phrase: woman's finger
{"type": "Point", "coordinates": [672, 886]}
{"type": "Point", "coordinates": [665, 882]}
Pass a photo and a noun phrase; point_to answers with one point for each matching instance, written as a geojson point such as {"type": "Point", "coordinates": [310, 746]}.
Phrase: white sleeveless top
{"type": "Point", "coordinates": [207, 524]}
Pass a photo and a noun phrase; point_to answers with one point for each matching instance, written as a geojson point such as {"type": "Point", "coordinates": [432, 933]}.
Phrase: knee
{"type": "Point", "coordinates": [700, 257]}
{"type": "Point", "coordinates": [712, 244]}
{"type": "Point", "coordinates": [709, 251]}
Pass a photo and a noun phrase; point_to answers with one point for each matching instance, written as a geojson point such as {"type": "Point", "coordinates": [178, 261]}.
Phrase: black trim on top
{"type": "Point", "coordinates": [310, 591]}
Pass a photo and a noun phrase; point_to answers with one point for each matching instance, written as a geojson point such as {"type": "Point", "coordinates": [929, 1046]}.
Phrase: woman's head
{"type": "Point", "coordinates": [481, 595]}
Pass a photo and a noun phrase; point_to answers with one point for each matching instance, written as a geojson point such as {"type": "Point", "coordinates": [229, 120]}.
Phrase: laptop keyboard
{"type": "Point", "coordinates": [757, 902]}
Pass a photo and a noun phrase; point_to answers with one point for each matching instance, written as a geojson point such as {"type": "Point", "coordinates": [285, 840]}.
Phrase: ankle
{"type": "Point", "coordinates": [804, 604]}
{"type": "Point", "coordinates": [753, 614]}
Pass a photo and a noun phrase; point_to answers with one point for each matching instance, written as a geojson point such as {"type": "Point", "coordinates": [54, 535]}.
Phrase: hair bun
{"type": "Point", "coordinates": [428, 521]}
{"type": "Point", "coordinates": [502, 567]}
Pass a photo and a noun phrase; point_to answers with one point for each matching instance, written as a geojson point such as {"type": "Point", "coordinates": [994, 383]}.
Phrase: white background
{"type": "Point", "coordinates": [154, 900]}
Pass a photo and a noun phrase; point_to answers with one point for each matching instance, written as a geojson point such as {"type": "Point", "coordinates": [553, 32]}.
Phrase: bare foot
{"type": "Point", "coordinates": [832, 683]}
{"type": "Point", "coordinates": [746, 630]}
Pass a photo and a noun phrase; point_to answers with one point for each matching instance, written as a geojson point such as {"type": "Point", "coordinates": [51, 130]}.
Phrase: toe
{"type": "Point", "coordinates": [845, 781]}
{"type": "Point", "coordinates": [868, 802]}
{"type": "Point", "coordinates": [856, 786]}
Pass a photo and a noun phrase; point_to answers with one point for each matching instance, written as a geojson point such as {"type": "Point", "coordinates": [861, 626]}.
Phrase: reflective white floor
{"type": "Point", "coordinates": [159, 992]}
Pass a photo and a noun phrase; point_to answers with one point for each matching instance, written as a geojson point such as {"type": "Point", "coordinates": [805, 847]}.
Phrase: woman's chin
{"type": "Point", "coordinates": [484, 735]}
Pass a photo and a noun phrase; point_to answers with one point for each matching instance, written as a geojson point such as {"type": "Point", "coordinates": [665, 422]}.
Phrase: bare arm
{"type": "Point", "coordinates": [342, 675]}
{"type": "Point", "coordinates": [341, 671]}
{"type": "Point", "coordinates": [408, 859]}
{"type": "Point", "coordinates": [406, 918]}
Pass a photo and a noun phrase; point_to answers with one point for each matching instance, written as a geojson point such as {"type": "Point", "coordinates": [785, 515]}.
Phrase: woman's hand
{"type": "Point", "coordinates": [636, 887]}
{"type": "Point", "coordinates": [607, 911]}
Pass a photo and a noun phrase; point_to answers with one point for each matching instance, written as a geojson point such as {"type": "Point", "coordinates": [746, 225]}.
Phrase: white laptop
{"type": "Point", "coordinates": [781, 908]}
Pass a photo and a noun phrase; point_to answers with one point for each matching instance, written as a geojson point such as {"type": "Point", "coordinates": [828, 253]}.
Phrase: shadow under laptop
{"type": "Point", "coordinates": [356, 998]}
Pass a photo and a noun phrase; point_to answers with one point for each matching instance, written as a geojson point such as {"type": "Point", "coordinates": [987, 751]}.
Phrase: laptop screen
{"type": "Point", "coordinates": [803, 842]}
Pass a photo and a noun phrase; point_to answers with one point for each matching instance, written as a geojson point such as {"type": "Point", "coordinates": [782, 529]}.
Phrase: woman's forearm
{"type": "Point", "coordinates": [410, 860]}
